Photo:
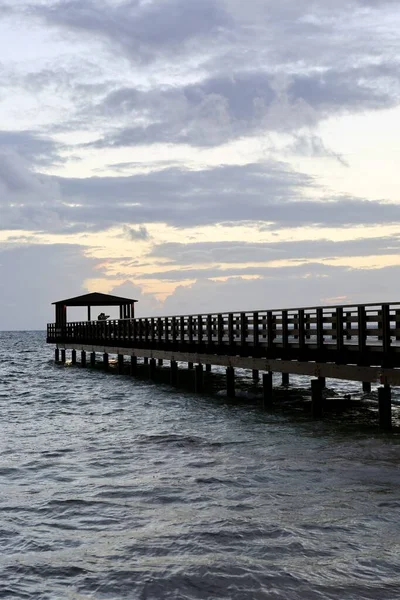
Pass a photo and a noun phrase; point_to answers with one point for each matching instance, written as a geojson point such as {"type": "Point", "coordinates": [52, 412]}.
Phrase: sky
{"type": "Point", "coordinates": [198, 155]}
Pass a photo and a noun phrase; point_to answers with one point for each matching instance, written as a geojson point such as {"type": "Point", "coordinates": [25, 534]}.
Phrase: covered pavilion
{"type": "Point", "coordinates": [126, 305]}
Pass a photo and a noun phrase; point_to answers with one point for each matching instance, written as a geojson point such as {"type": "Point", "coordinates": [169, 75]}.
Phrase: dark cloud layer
{"type": "Point", "coordinates": [270, 194]}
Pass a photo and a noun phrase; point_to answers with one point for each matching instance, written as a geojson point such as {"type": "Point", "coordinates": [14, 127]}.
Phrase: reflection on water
{"type": "Point", "coordinates": [119, 488]}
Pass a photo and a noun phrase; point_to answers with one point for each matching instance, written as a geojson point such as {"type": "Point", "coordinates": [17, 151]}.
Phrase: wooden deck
{"type": "Point", "coordinates": [363, 339]}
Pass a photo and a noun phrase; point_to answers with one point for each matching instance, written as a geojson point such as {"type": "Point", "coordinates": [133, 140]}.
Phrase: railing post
{"type": "Point", "coordinates": [386, 341]}
{"type": "Point", "coordinates": [182, 327]}
{"type": "Point", "coordinates": [159, 330]}
{"type": "Point", "coordinates": [166, 329]}
{"type": "Point", "coordinates": [270, 330]}
{"type": "Point", "coordinates": [302, 333]}
{"type": "Point", "coordinates": [209, 330]}
{"type": "Point", "coordinates": [285, 330]}
{"type": "Point", "coordinates": [220, 329]}
{"type": "Point", "coordinates": [190, 329]}
{"type": "Point", "coordinates": [320, 328]}
{"type": "Point", "coordinates": [339, 329]}
{"type": "Point", "coordinates": [255, 330]}
{"type": "Point", "coordinates": [243, 329]}
{"type": "Point", "coordinates": [362, 329]}
{"type": "Point", "coordinates": [200, 329]}
{"type": "Point", "coordinates": [231, 340]}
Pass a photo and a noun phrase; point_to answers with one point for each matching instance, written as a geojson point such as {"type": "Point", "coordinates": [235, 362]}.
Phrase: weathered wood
{"type": "Point", "coordinates": [255, 374]}
{"type": "Point", "coordinates": [133, 369]}
{"type": "Point", "coordinates": [93, 359]}
{"type": "Point", "coordinates": [56, 355]}
{"type": "Point", "coordinates": [199, 379]}
{"type": "Point", "coordinates": [285, 379]}
{"type": "Point", "coordinates": [152, 368]}
{"type": "Point", "coordinates": [120, 364]}
{"type": "Point", "coordinates": [230, 382]}
{"type": "Point", "coordinates": [385, 407]}
{"type": "Point", "coordinates": [105, 360]}
{"type": "Point", "coordinates": [366, 387]}
{"type": "Point", "coordinates": [334, 371]}
{"type": "Point", "coordinates": [73, 357]}
{"type": "Point", "coordinates": [174, 373]}
{"type": "Point", "coordinates": [63, 355]}
{"type": "Point", "coordinates": [316, 399]}
{"type": "Point", "coordinates": [267, 389]}
{"type": "Point", "coordinates": [83, 358]}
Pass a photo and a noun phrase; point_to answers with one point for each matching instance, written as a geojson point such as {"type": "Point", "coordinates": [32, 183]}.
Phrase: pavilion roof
{"type": "Point", "coordinates": [96, 299]}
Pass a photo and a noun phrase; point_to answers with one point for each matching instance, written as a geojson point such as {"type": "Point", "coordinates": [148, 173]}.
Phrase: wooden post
{"type": "Point", "coordinates": [385, 407]}
{"type": "Point", "coordinates": [316, 398]}
{"type": "Point", "coordinates": [105, 361]}
{"type": "Point", "coordinates": [199, 379]}
{"type": "Point", "coordinates": [63, 355]}
{"type": "Point", "coordinates": [146, 360]}
{"type": "Point", "coordinates": [73, 357]}
{"type": "Point", "coordinates": [56, 355]}
{"type": "Point", "coordinates": [133, 365]}
{"type": "Point", "coordinates": [174, 372]}
{"type": "Point", "coordinates": [160, 362]}
{"type": "Point", "coordinates": [83, 358]}
{"type": "Point", "coordinates": [230, 382]}
{"type": "Point", "coordinates": [190, 365]}
{"type": "Point", "coordinates": [285, 378]}
{"type": "Point", "coordinates": [255, 374]}
{"type": "Point", "coordinates": [267, 389]}
{"type": "Point", "coordinates": [322, 382]}
{"type": "Point", "coordinates": [93, 359]}
{"type": "Point", "coordinates": [120, 364]}
{"type": "Point", "coordinates": [366, 387]}
{"type": "Point", "coordinates": [152, 368]}
{"type": "Point", "coordinates": [208, 368]}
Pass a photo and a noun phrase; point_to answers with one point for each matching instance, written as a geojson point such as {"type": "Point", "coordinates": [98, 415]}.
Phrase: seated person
{"type": "Point", "coordinates": [102, 317]}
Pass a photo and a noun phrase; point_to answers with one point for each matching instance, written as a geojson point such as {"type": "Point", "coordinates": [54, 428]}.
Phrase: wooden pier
{"type": "Point", "coordinates": [356, 343]}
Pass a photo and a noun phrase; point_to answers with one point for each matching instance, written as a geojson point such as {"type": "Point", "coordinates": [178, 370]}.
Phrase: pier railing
{"type": "Point", "coordinates": [361, 334]}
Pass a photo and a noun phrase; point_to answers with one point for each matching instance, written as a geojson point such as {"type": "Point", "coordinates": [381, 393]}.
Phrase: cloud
{"type": "Point", "coordinates": [201, 253]}
{"type": "Point", "coordinates": [249, 103]}
{"type": "Point", "coordinates": [37, 149]}
{"type": "Point", "coordinates": [293, 287]}
{"type": "Point", "coordinates": [270, 194]}
{"type": "Point", "coordinates": [140, 234]}
{"type": "Point", "coordinates": [143, 30]}
{"type": "Point", "coordinates": [147, 304]}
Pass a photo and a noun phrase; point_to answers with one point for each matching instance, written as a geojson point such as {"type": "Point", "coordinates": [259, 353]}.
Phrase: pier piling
{"type": "Point", "coordinates": [267, 389]}
{"type": "Point", "coordinates": [73, 357]}
{"type": "Point", "coordinates": [199, 379]}
{"type": "Point", "coordinates": [285, 379]}
{"type": "Point", "coordinates": [63, 355]}
{"type": "Point", "coordinates": [385, 407]}
{"type": "Point", "coordinates": [230, 382]}
{"type": "Point", "coordinates": [56, 355]}
{"type": "Point", "coordinates": [174, 372]}
{"type": "Point", "coordinates": [93, 359]}
{"type": "Point", "coordinates": [152, 369]}
{"type": "Point", "coordinates": [366, 387]}
{"type": "Point", "coordinates": [133, 365]}
{"type": "Point", "coordinates": [316, 398]}
{"type": "Point", "coordinates": [120, 364]}
{"type": "Point", "coordinates": [83, 359]}
{"type": "Point", "coordinates": [105, 361]}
